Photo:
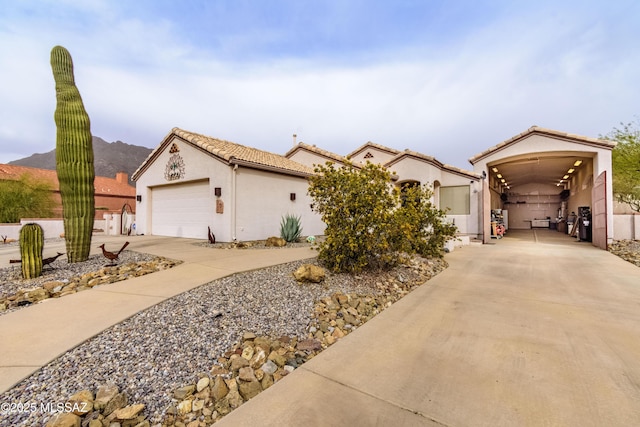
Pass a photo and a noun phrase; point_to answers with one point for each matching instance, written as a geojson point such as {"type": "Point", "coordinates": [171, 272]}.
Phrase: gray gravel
{"type": "Point", "coordinates": [165, 347]}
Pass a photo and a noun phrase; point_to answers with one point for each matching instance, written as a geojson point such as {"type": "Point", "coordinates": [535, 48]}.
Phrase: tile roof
{"type": "Point", "coordinates": [231, 153]}
{"type": "Point", "coordinates": [103, 186]}
{"type": "Point", "coordinates": [328, 154]}
{"type": "Point", "coordinates": [370, 144]}
{"type": "Point", "coordinates": [544, 131]}
{"type": "Point", "coordinates": [433, 161]}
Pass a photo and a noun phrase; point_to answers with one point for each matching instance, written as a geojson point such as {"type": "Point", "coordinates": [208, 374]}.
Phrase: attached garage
{"type": "Point", "coordinates": [181, 210]}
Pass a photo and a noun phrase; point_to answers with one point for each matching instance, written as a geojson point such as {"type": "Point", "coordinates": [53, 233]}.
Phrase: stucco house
{"type": "Point", "coordinates": [193, 182]}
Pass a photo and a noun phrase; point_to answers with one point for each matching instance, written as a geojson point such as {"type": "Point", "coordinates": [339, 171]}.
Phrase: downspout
{"type": "Point", "coordinates": [233, 203]}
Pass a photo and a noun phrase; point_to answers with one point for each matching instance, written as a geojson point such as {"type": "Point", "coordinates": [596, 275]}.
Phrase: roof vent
{"type": "Point", "coordinates": [294, 139]}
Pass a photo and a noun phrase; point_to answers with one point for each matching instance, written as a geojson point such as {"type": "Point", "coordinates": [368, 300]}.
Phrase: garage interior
{"type": "Point", "coordinates": [542, 190]}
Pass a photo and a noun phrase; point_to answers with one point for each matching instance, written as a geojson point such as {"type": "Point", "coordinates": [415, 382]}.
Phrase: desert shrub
{"type": "Point", "coordinates": [421, 227]}
{"type": "Point", "coordinates": [26, 197]}
{"type": "Point", "coordinates": [370, 222]}
{"type": "Point", "coordinates": [290, 228]}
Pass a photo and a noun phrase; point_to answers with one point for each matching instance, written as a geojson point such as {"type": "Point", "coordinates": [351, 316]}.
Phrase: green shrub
{"type": "Point", "coordinates": [290, 228]}
{"type": "Point", "coordinates": [370, 222]}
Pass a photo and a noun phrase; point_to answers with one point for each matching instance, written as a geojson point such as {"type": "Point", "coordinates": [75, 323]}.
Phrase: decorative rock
{"type": "Point", "coordinates": [184, 407]}
{"type": "Point", "coordinates": [202, 384]}
{"type": "Point", "coordinates": [104, 395]}
{"type": "Point", "coordinates": [64, 419]}
{"type": "Point", "coordinates": [269, 367]}
{"type": "Point", "coordinates": [238, 362]}
{"type": "Point", "coordinates": [289, 368]}
{"type": "Point", "coordinates": [197, 405]}
{"type": "Point", "coordinates": [267, 381]}
{"type": "Point", "coordinates": [247, 352]}
{"type": "Point", "coordinates": [259, 357]}
{"type": "Point", "coordinates": [278, 359]}
{"type": "Point", "coordinates": [309, 273]}
{"type": "Point", "coordinates": [82, 402]}
{"type": "Point", "coordinates": [129, 412]}
{"type": "Point", "coordinates": [309, 345]}
{"type": "Point", "coordinates": [219, 389]}
{"type": "Point", "coordinates": [118, 401]}
{"type": "Point", "coordinates": [276, 242]}
{"type": "Point", "coordinates": [246, 374]}
{"type": "Point", "coordinates": [249, 389]}
{"type": "Point", "coordinates": [183, 392]}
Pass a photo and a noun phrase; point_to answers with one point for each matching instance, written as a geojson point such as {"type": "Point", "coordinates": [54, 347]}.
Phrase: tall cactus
{"type": "Point", "coordinates": [31, 244]}
{"type": "Point", "coordinates": [74, 158]}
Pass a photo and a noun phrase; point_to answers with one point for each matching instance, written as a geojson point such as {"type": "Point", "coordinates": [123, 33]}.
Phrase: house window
{"type": "Point", "coordinates": [455, 200]}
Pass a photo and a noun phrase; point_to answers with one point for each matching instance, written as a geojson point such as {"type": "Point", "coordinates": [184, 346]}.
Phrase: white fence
{"type": "Point", "coordinates": [626, 227]}
{"type": "Point", "coordinates": [111, 224]}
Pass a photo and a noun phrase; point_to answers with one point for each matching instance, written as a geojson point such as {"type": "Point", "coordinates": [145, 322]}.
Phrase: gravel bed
{"type": "Point", "coordinates": [166, 346]}
{"type": "Point", "coordinates": [11, 277]}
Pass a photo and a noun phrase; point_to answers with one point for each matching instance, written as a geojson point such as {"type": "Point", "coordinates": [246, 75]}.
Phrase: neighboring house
{"type": "Point", "coordinates": [193, 182]}
{"type": "Point", "coordinates": [110, 194]}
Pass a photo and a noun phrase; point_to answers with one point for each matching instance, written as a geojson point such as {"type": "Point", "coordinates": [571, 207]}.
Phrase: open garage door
{"type": "Point", "coordinates": [599, 215]}
{"type": "Point", "coordinates": [181, 210]}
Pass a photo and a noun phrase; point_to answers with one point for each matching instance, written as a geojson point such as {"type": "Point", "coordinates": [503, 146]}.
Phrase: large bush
{"type": "Point", "coordinates": [370, 222]}
{"type": "Point", "coordinates": [26, 197]}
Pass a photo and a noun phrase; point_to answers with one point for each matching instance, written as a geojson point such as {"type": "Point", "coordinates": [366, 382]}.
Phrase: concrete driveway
{"type": "Point", "coordinates": [535, 330]}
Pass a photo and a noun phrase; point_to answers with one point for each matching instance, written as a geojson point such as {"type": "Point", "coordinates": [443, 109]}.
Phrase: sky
{"type": "Point", "coordinates": [446, 78]}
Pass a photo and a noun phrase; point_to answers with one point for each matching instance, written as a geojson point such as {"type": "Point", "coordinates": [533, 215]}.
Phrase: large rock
{"type": "Point", "coordinates": [64, 419]}
{"type": "Point", "coordinates": [309, 273]}
{"type": "Point", "coordinates": [104, 395]}
{"type": "Point", "coordinates": [82, 402]}
{"type": "Point", "coordinates": [219, 388]}
{"type": "Point", "coordinates": [276, 241]}
{"type": "Point", "coordinates": [129, 412]}
{"type": "Point", "coordinates": [118, 401]}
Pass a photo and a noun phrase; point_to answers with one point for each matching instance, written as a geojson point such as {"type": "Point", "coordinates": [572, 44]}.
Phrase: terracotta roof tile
{"type": "Point", "coordinates": [432, 160]}
{"type": "Point", "coordinates": [544, 131]}
{"type": "Point", "coordinates": [232, 153]}
{"type": "Point", "coordinates": [370, 144]}
{"type": "Point", "coordinates": [325, 153]}
{"type": "Point", "coordinates": [103, 185]}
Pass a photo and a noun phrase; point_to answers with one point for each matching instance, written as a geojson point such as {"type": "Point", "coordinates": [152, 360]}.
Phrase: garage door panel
{"type": "Point", "coordinates": [181, 210]}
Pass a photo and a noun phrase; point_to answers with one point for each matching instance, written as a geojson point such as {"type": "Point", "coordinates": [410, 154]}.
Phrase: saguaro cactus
{"type": "Point", "coordinates": [74, 158]}
{"type": "Point", "coordinates": [31, 244]}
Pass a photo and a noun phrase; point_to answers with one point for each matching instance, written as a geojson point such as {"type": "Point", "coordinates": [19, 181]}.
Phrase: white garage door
{"type": "Point", "coordinates": [181, 210]}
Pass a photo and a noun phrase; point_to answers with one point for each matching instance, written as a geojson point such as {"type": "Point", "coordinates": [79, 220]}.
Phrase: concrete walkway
{"type": "Point", "coordinates": [536, 329]}
{"type": "Point", "coordinates": [35, 335]}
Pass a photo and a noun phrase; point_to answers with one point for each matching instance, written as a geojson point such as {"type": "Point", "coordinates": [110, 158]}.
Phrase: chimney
{"type": "Point", "coordinates": [294, 139]}
{"type": "Point", "coordinates": [122, 177]}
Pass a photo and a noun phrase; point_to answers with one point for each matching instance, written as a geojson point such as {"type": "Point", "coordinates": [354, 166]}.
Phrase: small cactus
{"type": "Point", "coordinates": [31, 244]}
{"type": "Point", "coordinates": [74, 158]}
{"type": "Point", "coordinates": [290, 228]}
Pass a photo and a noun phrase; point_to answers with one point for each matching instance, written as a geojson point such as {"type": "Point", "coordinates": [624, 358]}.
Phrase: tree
{"type": "Point", "coordinates": [369, 222]}
{"type": "Point", "coordinates": [626, 164]}
{"type": "Point", "coordinates": [25, 197]}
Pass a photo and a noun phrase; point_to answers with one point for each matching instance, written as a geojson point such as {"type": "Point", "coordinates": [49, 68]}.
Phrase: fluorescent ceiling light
{"type": "Point", "coordinates": [571, 170]}
{"type": "Point", "coordinates": [577, 163]}
{"type": "Point", "coordinates": [502, 180]}
{"type": "Point", "coordinates": [565, 177]}
{"type": "Point", "coordinates": [499, 175]}
{"type": "Point", "coordinates": [494, 169]}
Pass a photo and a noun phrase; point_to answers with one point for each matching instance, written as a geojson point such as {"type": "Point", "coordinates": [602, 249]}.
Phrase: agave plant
{"type": "Point", "coordinates": [290, 228]}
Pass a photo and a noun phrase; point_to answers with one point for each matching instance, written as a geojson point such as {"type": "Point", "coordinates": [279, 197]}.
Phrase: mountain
{"type": "Point", "coordinates": [108, 158]}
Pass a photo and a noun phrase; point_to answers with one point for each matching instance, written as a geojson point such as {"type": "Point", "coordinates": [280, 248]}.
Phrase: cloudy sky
{"type": "Point", "coordinates": [443, 77]}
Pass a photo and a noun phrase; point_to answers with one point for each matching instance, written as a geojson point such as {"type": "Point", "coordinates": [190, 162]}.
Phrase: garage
{"type": "Point", "coordinates": [181, 210]}
{"type": "Point", "coordinates": [543, 178]}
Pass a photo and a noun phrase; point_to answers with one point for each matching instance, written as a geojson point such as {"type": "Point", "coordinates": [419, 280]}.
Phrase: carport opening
{"type": "Point", "coordinates": [542, 191]}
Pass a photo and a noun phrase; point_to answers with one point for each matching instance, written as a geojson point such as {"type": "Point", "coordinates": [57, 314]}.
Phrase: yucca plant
{"type": "Point", "coordinates": [290, 228]}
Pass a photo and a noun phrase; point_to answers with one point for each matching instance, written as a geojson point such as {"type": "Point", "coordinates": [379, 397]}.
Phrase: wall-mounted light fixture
{"type": "Point", "coordinates": [138, 198]}
{"type": "Point", "coordinates": [217, 191]}
{"type": "Point", "coordinates": [292, 197]}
